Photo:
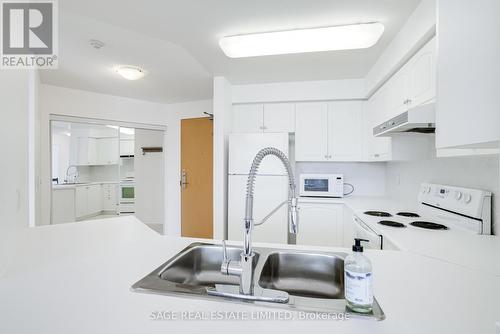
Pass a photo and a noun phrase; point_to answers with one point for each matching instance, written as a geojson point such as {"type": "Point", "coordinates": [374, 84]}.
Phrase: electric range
{"type": "Point", "coordinates": [440, 210]}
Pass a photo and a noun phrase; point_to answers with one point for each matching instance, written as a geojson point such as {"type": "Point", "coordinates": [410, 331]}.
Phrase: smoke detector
{"type": "Point", "coordinates": [96, 44]}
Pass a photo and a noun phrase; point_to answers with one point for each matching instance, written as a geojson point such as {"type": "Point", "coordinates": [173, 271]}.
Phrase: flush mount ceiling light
{"type": "Point", "coordinates": [347, 37]}
{"type": "Point", "coordinates": [130, 72]}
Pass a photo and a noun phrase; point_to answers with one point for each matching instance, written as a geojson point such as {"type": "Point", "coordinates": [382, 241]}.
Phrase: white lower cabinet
{"type": "Point", "coordinates": [80, 201]}
{"type": "Point", "coordinates": [109, 197]}
{"type": "Point", "coordinates": [320, 224]}
{"type": "Point", "coordinates": [88, 200]}
{"type": "Point", "coordinates": [63, 206]}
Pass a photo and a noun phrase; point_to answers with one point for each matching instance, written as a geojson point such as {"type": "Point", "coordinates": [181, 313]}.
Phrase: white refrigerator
{"type": "Point", "coordinates": [271, 186]}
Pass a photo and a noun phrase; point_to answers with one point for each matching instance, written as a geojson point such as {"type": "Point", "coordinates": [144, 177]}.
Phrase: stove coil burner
{"type": "Point", "coordinates": [408, 214]}
{"type": "Point", "coordinates": [391, 223]}
{"type": "Point", "coordinates": [378, 213]}
{"type": "Point", "coordinates": [429, 225]}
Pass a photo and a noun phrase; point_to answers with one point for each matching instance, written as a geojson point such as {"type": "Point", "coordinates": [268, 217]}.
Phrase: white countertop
{"type": "Point", "coordinates": [76, 278]}
{"type": "Point", "coordinates": [81, 184]}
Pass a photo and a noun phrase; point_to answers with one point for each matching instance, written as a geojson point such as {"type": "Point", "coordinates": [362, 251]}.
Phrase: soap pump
{"type": "Point", "coordinates": [358, 279]}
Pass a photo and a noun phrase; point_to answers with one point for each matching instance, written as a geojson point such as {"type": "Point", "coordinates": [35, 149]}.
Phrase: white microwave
{"type": "Point", "coordinates": [322, 185]}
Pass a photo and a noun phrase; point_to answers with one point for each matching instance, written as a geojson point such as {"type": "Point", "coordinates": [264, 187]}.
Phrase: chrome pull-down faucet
{"type": "Point", "coordinates": [244, 267]}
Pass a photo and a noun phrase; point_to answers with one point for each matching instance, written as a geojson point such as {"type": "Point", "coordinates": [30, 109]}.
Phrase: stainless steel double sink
{"type": "Point", "coordinates": [313, 280]}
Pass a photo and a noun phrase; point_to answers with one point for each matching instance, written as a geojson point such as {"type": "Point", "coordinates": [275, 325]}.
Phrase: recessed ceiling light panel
{"type": "Point", "coordinates": [130, 72]}
{"type": "Point", "coordinates": [348, 37]}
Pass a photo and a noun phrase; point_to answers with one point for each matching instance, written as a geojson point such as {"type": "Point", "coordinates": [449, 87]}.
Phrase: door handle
{"type": "Point", "coordinates": [183, 181]}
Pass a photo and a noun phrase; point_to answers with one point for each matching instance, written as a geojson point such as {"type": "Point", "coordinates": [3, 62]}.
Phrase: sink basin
{"type": "Point", "coordinates": [314, 281]}
{"type": "Point", "coordinates": [305, 275]}
{"type": "Point", "coordinates": [200, 266]}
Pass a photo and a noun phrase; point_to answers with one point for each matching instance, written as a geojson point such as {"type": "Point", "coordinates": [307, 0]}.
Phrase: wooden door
{"type": "Point", "coordinates": [197, 178]}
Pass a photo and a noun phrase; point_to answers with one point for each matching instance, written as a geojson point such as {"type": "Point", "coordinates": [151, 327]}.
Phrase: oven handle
{"type": "Point", "coordinates": [363, 225]}
{"type": "Point", "coordinates": [368, 229]}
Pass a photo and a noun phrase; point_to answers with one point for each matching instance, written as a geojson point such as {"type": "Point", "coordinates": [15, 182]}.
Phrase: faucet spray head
{"type": "Point", "coordinates": [293, 216]}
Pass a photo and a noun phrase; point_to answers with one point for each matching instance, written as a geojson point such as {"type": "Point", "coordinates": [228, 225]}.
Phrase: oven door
{"type": "Point", "coordinates": [127, 193]}
{"type": "Point", "coordinates": [363, 231]}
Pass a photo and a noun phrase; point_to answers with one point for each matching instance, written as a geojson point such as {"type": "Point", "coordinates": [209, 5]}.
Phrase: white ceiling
{"type": "Point", "coordinates": [177, 43]}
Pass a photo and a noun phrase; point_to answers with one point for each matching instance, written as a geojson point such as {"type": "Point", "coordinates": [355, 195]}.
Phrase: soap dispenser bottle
{"type": "Point", "coordinates": [358, 279]}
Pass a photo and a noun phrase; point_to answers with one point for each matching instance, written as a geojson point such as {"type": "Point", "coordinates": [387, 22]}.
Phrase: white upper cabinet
{"type": "Point", "coordinates": [411, 86]}
{"type": "Point", "coordinates": [311, 131]}
{"type": "Point", "coordinates": [344, 130]}
{"type": "Point", "coordinates": [422, 75]}
{"type": "Point", "coordinates": [248, 118]}
{"type": "Point", "coordinates": [375, 148]}
{"type": "Point", "coordinates": [88, 151]}
{"type": "Point", "coordinates": [279, 117]}
{"type": "Point", "coordinates": [255, 118]}
{"type": "Point", "coordinates": [328, 131]}
{"type": "Point", "coordinates": [107, 151]}
{"type": "Point", "coordinates": [83, 151]}
{"type": "Point", "coordinates": [467, 111]}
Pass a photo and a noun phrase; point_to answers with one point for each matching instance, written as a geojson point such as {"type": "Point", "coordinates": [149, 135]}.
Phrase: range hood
{"type": "Point", "coordinates": [420, 119]}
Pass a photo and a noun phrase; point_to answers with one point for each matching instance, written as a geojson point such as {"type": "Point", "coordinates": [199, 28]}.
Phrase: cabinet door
{"type": "Point", "coordinates": [311, 132]}
{"type": "Point", "coordinates": [344, 130]}
{"type": "Point", "coordinates": [320, 225]}
{"type": "Point", "coordinates": [94, 199]}
{"type": "Point", "coordinates": [248, 118]}
{"type": "Point", "coordinates": [374, 148]}
{"type": "Point", "coordinates": [81, 203]}
{"type": "Point", "coordinates": [107, 151]}
{"type": "Point", "coordinates": [422, 69]}
{"type": "Point", "coordinates": [82, 148]}
{"type": "Point", "coordinates": [109, 196]}
{"type": "Point", "coordinates": [279, 117]}
{"type": "Point", "coordinates": [127, 147]}
{"type": "Point", "coordinates": [395, 96]}
{"type": "Point", "coordinates": [63, 206]}
{"type": "Point", "coordinates": [92, 151]}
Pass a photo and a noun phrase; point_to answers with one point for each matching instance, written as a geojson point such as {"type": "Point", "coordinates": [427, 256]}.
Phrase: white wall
{"type": "Point", "coordinates": [367, 178]}
{"type": "Point", "coordinates": [14, 134]}
{"type": "Point", "coordinates": [481, 172]}
{"type": "Point", "coordinates": [299, 91]}
{"type": "Point", "coordinates": [78, 103]}
{"type": "Point", "coordinates": [222, 109]}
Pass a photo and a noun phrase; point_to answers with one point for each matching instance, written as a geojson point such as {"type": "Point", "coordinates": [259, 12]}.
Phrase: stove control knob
{"type": "Point", "coordinates": [458, 195]}
{"type": "Point", "coordinates": [467, 198]}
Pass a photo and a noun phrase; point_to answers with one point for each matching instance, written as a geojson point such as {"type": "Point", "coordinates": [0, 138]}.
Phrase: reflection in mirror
{"type": "Point", "coordinates": [99, 171]}
{"type": "Point", "coordinates": [85, 171]}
